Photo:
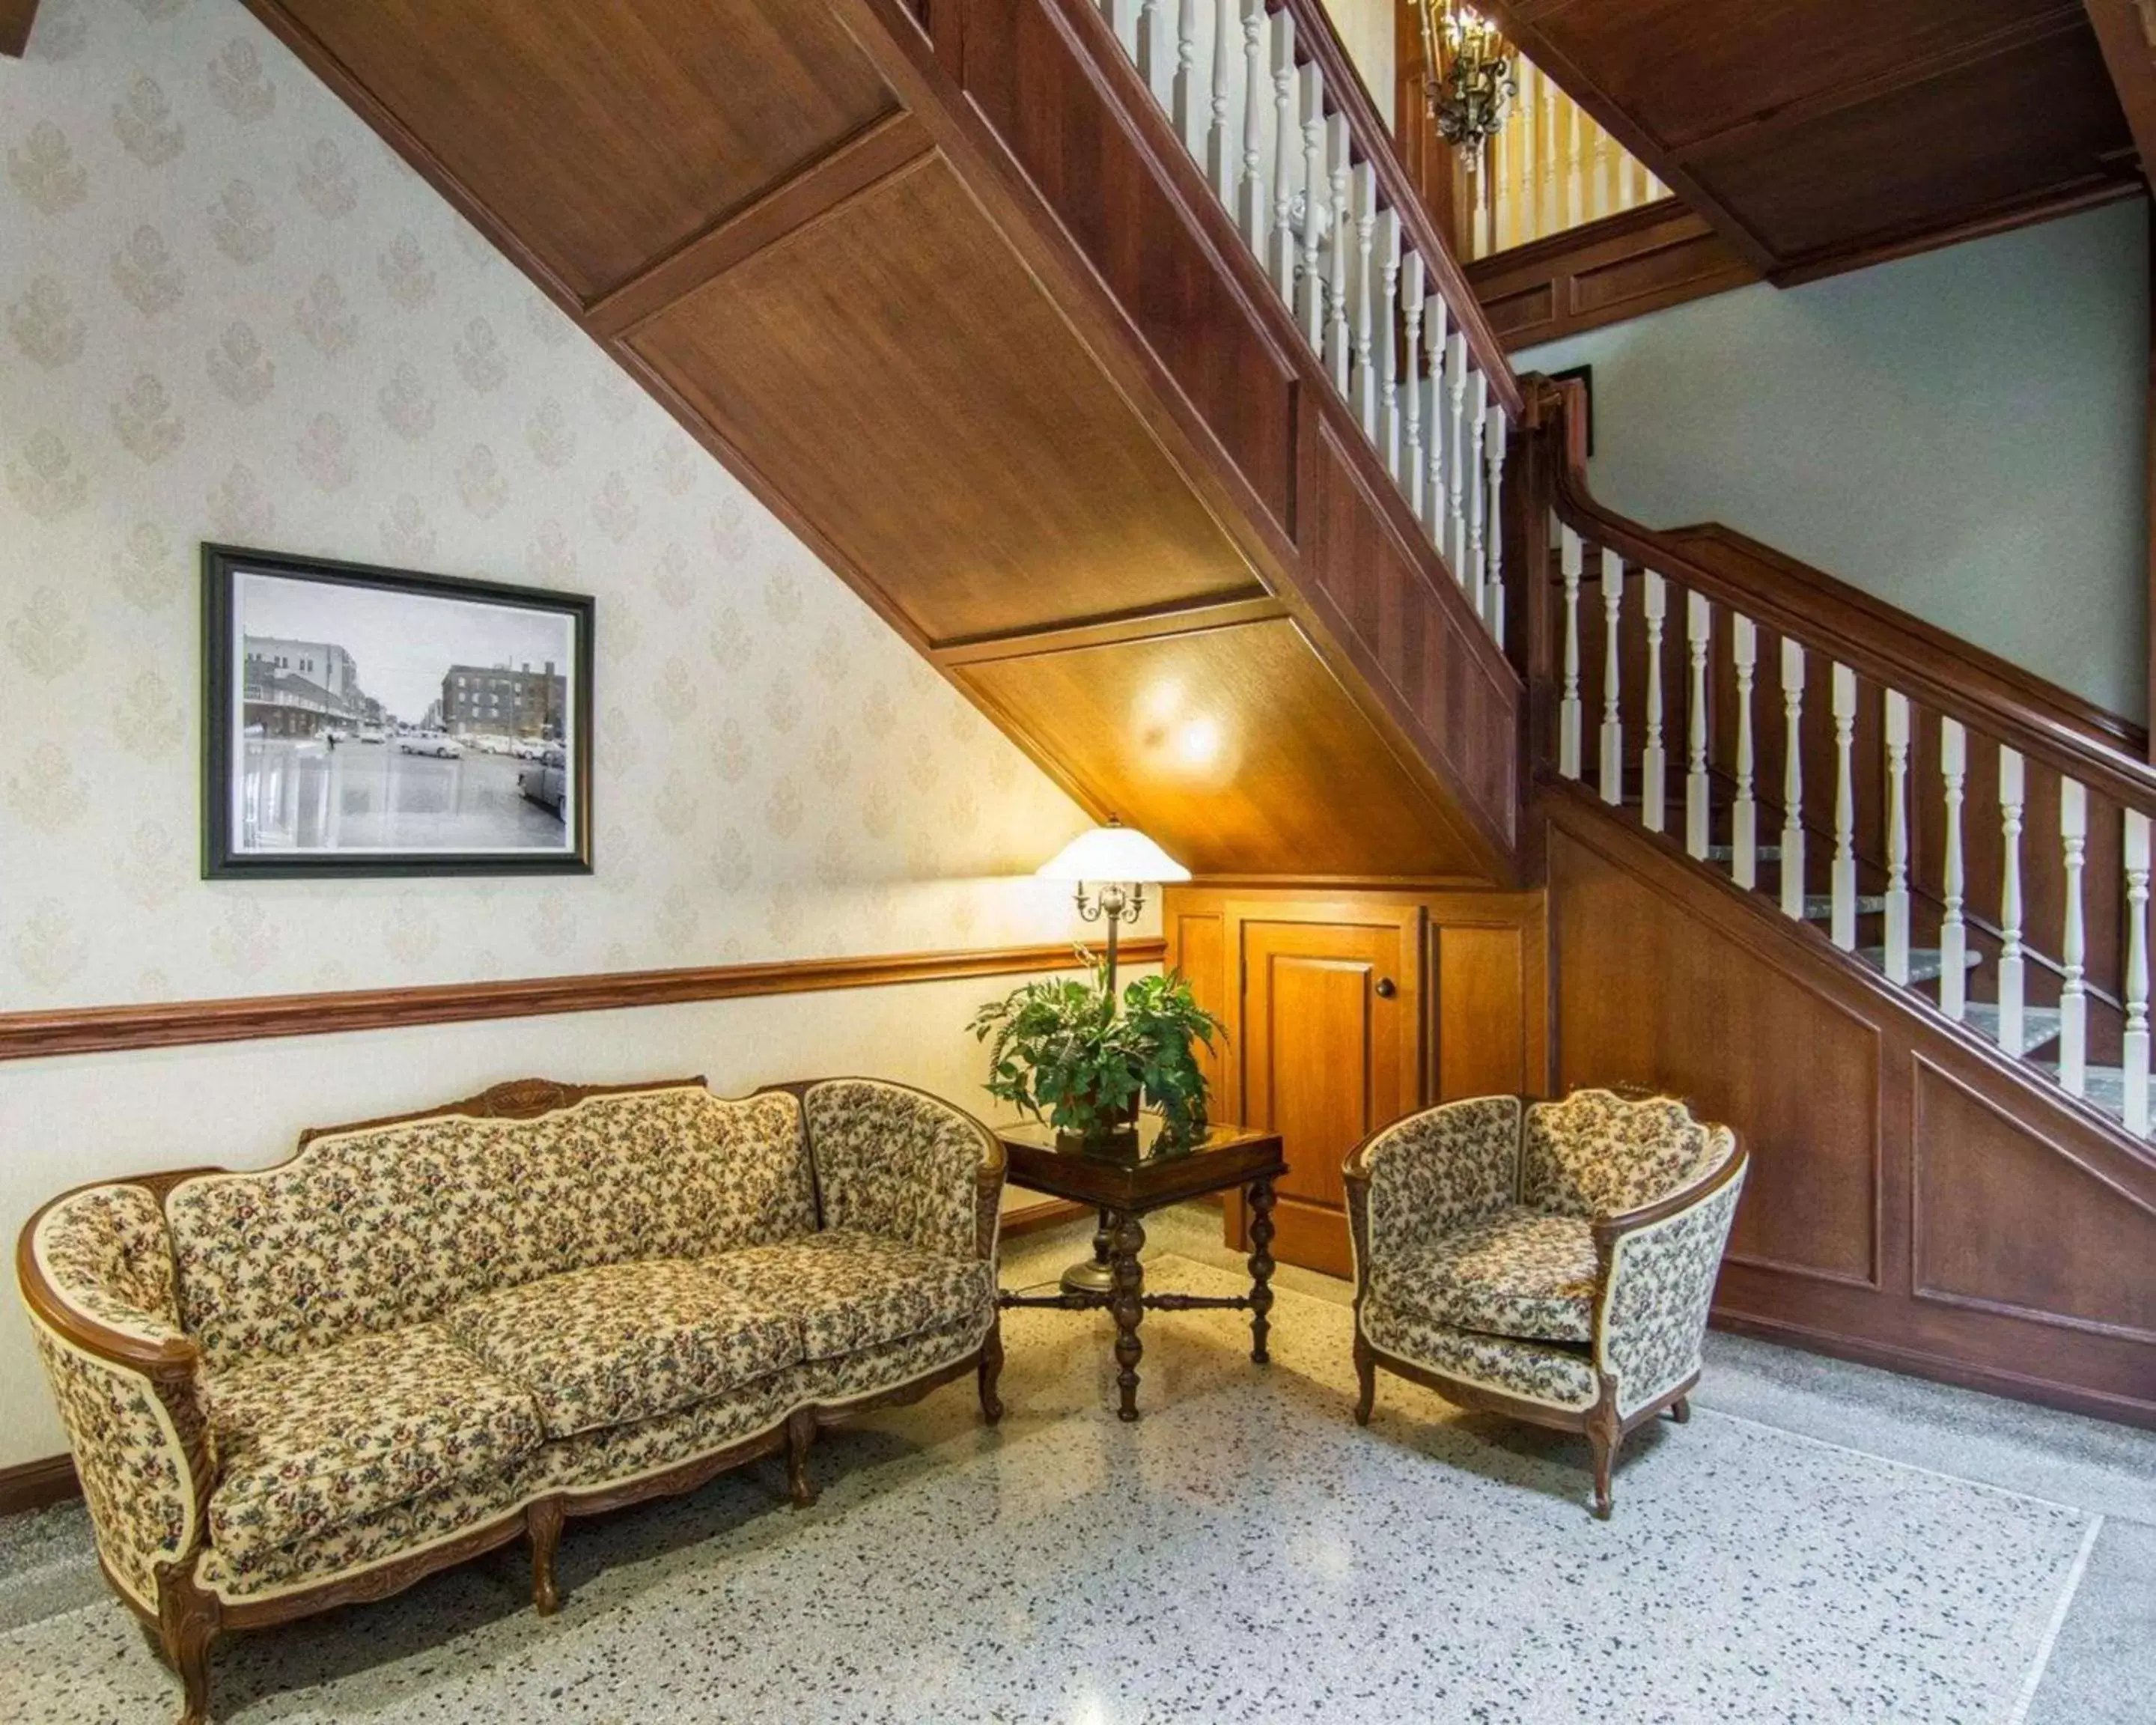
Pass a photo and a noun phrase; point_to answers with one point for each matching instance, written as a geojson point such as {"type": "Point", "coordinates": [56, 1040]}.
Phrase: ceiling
{"type": "Point", "coordinates": [1819, 136]}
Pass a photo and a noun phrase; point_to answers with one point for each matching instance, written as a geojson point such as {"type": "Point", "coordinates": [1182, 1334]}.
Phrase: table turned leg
{"type": "Point", "coordinates": [1127, 1305]}
{"type": "Point", "coordinates": [1261, 1268]}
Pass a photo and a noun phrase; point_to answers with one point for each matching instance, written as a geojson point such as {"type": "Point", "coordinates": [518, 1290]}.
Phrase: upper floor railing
{"type": "Point", "coordinates": [1263, 96]}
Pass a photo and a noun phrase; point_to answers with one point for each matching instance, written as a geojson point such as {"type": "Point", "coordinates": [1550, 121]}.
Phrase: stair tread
{"type": "Point", "coordinates": [1727, 853]}
{"type": "Point", "coordinates": [1927, 964]}
{"type": "Point", "coordinates": [1819, 906]}
{"type": "Point", "coordinates": [2039, 1025]}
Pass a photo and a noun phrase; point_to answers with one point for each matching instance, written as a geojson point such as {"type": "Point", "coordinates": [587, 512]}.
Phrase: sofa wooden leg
{"type": "Point", "coordinates": [991, 1369]}
{"type": "Point", "coordinates": [1681, 1410]}
{"type": "Point", "coordinates": [543, 1528]}
{"type": "Point", "coordinates": [188, 1623]}
{"type": "Point", "coordinates": [1366, 1373]}
{"type": "Point", "coordinates": [800, 1434]}
{"type": "Point", "coordinates": [1604, 1433]}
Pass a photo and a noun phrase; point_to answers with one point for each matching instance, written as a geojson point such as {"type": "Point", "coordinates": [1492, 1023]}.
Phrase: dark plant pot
{"type": "Point", "coordinates": [1119, 1130]}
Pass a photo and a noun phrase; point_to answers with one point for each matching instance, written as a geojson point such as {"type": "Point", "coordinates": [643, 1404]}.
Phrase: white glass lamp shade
{"type": "Point", "coordinates": [1116, 853]}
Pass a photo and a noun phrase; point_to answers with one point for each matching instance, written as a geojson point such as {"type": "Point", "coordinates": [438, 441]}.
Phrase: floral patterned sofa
{"type": "Point", "coordinates": [1550, 1260]}
{"type": "Point", "coordinates": [424, 1337]}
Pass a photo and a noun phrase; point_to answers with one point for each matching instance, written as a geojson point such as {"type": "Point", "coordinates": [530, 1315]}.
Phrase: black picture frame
{"type": "Point", "coordinates": [228, 853]}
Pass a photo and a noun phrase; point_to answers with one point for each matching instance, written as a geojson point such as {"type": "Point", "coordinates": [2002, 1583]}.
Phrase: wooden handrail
{"type": "Point", "coordinates": [1992, 707]}
{"type": "Point", "coordinates": [1315, 39]}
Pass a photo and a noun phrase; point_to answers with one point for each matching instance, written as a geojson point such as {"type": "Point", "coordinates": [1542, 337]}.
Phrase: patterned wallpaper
{"type": "Point", "coordinates": [231, 313]}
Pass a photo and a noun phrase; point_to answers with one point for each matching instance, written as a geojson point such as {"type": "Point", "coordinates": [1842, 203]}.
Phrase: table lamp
{"type": "Point", "coordinates": [1118, 863]}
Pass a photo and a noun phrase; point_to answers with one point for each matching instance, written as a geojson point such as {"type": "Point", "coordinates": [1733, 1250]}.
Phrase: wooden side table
{"type": "Point", "coordinates": [1124, 1185]}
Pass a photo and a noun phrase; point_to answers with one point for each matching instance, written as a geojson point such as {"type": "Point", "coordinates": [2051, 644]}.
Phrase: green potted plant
{"type": "Point", "coordinates": [1061, 1052]}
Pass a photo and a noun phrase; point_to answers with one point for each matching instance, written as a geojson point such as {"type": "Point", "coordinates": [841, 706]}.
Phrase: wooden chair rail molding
{"type": "Point", "coordinates": [99, 1030]}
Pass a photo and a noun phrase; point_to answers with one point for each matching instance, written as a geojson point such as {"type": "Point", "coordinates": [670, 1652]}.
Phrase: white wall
{"type": "Point", "coordinates": [227, 311]}
{"type": "Point", "coordinates": [1961, 434]}
{"type": "Point", "coordinates": [1366, 29]}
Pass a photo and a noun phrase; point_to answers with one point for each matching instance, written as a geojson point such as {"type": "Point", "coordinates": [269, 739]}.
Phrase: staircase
{"type": "Point", "coordinates": [1105, 348]}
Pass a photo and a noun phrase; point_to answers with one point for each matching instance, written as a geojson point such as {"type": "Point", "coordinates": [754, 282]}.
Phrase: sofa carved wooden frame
{"type": "Point", "coordinates": [189, 1618]}
{"type": "Point", "coordinates": [1604, 1431]}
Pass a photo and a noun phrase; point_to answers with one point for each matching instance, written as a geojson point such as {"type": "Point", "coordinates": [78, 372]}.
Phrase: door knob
{"type": "Point", "coordinates": [1387, 987]}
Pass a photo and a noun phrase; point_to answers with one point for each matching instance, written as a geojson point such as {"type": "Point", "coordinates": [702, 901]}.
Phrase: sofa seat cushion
{"type": "Point", "coordinates": [1520, 1272]}
{"type": "Point", "coordinates": [848, 1291]}
{"type": "Point", "coordinates": [311, 1442]}
{"type": "Point", "coordinates": [621, 1342]}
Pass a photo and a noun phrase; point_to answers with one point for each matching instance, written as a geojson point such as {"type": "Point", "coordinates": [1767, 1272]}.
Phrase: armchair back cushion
{"type": "Point", "coordinates": [1444, 1168]}
{"type": "Point", "coordinates": [899, 1163]}
{"type": "Point", "coordinates": [1596, 1154]}
{"type": "Point", "coordinates": [383, 1226]}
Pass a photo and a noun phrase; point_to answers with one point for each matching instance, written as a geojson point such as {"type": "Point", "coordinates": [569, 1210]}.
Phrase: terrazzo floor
{"type": "Point", "coordinates": [1821, 1544]}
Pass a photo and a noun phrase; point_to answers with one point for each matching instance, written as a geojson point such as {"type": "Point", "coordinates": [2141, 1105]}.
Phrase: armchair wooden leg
{"type": "Point", "coordinates": [991, 1369]}
{"type": "Point", "coordinates": [542, 1529]}
{"type": "Point", "coordinates": [1366, 1373]}
{"type": "Point", "coordinates": [1604, 1433]}
{"type": "Point", "coordinates": [187, 1624]}
{"type": "Point", "coordinates": [800, 1434]}
{"type": "Point", "coordinates": [1681, 1410]}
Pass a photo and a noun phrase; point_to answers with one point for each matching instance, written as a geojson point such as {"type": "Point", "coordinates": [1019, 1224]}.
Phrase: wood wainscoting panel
{"type": "Point", "coordinates": [1042, 98]}
{"type": "Point", "coordinates": [2011, 1220]}
{"type": "Point", "coordinates": [1412, 631]}
{"type": "Point", "coordinates": [604, 137]}
{"type": "Point", "coordinates": [1647, 994]}
{"type": "Point", "coordinates": [1645, 259]}
{"type": "Point", "coordinates": [1197, 947]}
{"type": "Point", "coordinates": [903, 379]}
{"type": "Point", "coordinates": [1235, 747]}
{"type": "Point", "coordinates": [2014, 1229]}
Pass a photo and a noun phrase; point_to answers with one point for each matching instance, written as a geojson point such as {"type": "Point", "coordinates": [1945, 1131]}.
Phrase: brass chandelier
{"type": "Point", "coordinates": [1468, 79]}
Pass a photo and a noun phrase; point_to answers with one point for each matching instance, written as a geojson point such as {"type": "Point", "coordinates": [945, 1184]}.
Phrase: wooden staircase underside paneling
{"type": "Point", "coordinates": [946, 295]}
{"type": "Point", "coordinates": [1820, 136]}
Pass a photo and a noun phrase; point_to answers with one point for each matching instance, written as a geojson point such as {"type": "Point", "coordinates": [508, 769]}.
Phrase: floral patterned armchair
{"type": "Point", "coordinates": [1550, 1260]}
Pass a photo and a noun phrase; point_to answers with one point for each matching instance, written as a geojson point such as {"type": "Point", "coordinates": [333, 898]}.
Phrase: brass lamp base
{"type": "Point", "coordinates": [1088, 1277]}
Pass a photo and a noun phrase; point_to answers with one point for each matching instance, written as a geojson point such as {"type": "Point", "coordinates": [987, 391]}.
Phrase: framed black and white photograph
{"type": "Point", "coordinates": [362, 720]}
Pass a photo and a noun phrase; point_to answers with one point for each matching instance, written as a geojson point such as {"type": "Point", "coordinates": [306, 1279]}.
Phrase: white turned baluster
{"type": "Point", "coordinates": [1311, 87]}
{"type": "Point", "coordinates": [1340, 339]}
{"type": "Point", "coordinates": [1287, 136]}
{"type": "Point", "coordinates": [1435, 513]}
{"type": "Point", "coordinates": [1365, 297]}
{"type": "Point", "coordinates": [1250, 210]}
{"type": "Point", "coordinates": [2135, 1046]}
{"type": "Point", "coordinates": [1188, 111]}
{"type": "Point", "coordinates": [1493, 515]}
{"type": "Point", "coordinates": [1415, 297]}
{"type": "Point", "coordinates": [2013, 792]}
{"type": "Point", "coordinates": [1897, 837]}
{"type": "Point", "coordinates": [1792, 779]}
{"type": "Point", "coordinates": [1455, 443]}
{"type": "Point", "coordinates": [1389, 358]}
{"type": "Point", "coordinates": [1744, 812]}
{"type": "Point", "coordinates": [2073, 955]}
{"type": "Point", "coordinates": [1841, 882]}
{"type": "Point", "coordinates": [1613, 721]}
{"type": "Point", "coordinates": [1145, 48]}
{"type": "Point", "coordinates": [1567, 711]}
{"type": "Point", "coordinates": [1219, 157]}
{"type": "Point", "coordinates": [1953, 931]}
{"type": "Point", "coordinates": [1654, 763]}
{"type": "Point", "coordinates": [1478, 417]}
{"type": "Point", "coordinates": [1699, 636]}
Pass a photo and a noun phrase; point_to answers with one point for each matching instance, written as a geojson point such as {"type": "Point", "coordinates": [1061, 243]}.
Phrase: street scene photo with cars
{"type": "Point", "coordinates": [407, 720]}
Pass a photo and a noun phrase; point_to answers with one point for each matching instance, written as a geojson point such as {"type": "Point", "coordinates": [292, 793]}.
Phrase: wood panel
{"type": "Point", "coordinates": [1483, 983]}
{"type": "Point", "coordinates": [1235, 748]}
{"type": "Point", "coordinates": [1412, 632]}
{"type": "Point", "coordinates": [2009, 1233]}
{"type": "Point", "coordinates": [1197, 939]}
{"type": "Point", "coordinates": [102, 1030]}
{"type": "Point", "coordinates": [959, 441]}
{"type": "Point", "coordinates": [1646, 259]}
{"type": "Point", "coordinates": [16, 17]}
{"type": "Point", "coordinates": [2009, 1222]}
{"type": "Point", "coordinates": [1030, 83]}
{"type": "Point", "coordinates": [603, 136]}
{"type": "Point", "coordinates": [1820, 135]}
